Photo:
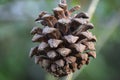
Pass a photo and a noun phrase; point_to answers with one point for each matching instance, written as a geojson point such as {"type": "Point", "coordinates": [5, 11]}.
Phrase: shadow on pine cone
{"type": "Point", "coordinates": [65, 44]}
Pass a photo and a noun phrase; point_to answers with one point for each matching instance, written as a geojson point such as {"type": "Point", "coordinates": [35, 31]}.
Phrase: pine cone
{"type": "Point", "coordinates": [65, 44]}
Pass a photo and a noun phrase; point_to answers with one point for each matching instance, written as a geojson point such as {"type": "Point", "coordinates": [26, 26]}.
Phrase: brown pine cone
{"type": "Point", "coordinates": [65, 44]}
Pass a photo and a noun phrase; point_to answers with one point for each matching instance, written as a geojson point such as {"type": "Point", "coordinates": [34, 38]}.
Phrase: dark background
{"type": "Point", "coordinates": [17, 19]}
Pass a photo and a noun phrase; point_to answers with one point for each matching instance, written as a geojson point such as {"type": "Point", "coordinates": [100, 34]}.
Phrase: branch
{"type": "Point", "coordinates": [69, 77]}
{"type": "Point", "coordinates": [92, 8]}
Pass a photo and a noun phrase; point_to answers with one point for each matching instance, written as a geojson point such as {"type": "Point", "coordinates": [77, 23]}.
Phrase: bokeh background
{"type": "Point", "coordinates": [17, 19]}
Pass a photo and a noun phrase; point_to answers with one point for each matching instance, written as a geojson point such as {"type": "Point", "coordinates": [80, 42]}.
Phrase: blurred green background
{"type": "Point", "coordinates": [17, 19]}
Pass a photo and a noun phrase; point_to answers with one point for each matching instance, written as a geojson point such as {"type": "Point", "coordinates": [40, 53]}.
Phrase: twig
{"type": "Point", "coordinates": [92, 8]}
{"type": "Point", "coordinates": [69, 76]}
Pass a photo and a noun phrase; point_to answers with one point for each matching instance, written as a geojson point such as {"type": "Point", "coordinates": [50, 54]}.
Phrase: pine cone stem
{"type": "Point", "coordinates": [69, 77]}
{"type": "Point", "coordinates": [63, 1]}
